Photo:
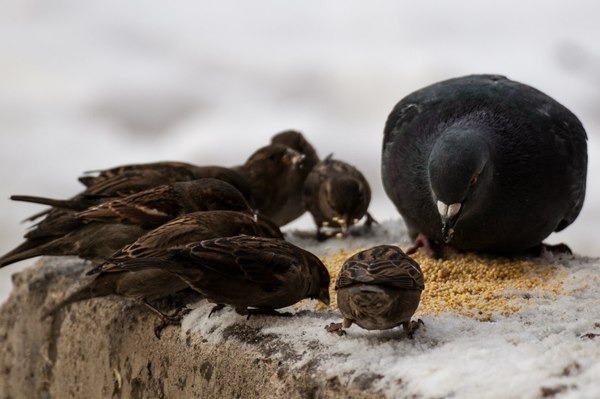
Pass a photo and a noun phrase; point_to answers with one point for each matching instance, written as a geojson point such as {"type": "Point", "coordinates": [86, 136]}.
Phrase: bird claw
{"type": "Point", "coordinates": [336, 328]}
{"type": "Point", "coordinates": [170, 320]}
{"type": "Point", "coordinates": [216, 308]}
{"type": "Point", "coordinates": [430, 248]}
{"type": "Point", "coordinates": [370, 220]}
{"type": "Point", "coordinates": [557, 249]}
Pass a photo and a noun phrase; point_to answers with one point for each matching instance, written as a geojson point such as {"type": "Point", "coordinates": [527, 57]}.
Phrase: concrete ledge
{"type": "Point", "coordinates": [106, 348]}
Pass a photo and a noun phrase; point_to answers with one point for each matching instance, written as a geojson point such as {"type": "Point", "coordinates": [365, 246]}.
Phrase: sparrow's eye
{"type": "Point", "coordinates": [473, 180]}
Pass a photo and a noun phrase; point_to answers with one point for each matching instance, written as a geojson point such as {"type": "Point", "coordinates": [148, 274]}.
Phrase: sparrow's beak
{"type": "Point", "coordinates": [324, 296]}
{"type": "Point", "coordinates": [449, 216]}
{"type": "Point", "coordinates": [295, 157]}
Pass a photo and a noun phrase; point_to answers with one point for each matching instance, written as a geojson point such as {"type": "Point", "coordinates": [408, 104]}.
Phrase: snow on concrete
{"type": "Point", "coordinates": [550, 347]}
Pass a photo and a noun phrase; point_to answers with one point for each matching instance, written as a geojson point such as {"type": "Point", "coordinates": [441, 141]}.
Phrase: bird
{"type": "Point", "coordinates": [125, 180]}
{"type": "Point", "coordinates": [87, 235]}
{"type": "Point", "coordinates": [155, 206]}
{"type": "Point", "coordinates": [337, 195]}
{"type": "Point", "coordinates": [91, 241]}
{"type": "Point", "coordinates": [272, 172]}
{"type": "Point", "coordinates": [294, 207]}
{"type": "Point", "coordinates": [254, 275]}
{"type": "Point", "coordinates": [483, 163]}
{"type": "Point", "coordinates": [296, 140]}
{"type": "Point", "coordinates": [379, 288]}
{"type": "Point", "coordinates": [148, 285]}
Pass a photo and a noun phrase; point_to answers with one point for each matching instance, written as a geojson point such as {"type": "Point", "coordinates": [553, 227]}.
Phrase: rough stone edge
{"type": "Point", "coordinates": [106, 348]}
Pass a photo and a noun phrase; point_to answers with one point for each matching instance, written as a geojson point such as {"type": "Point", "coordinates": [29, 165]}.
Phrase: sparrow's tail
{"type": "Point", "coordinates": [91, 290]}
{"type": "Point", "coordinates": [65, 204]}
{"type": "Point", "coordinates": [24, 251]}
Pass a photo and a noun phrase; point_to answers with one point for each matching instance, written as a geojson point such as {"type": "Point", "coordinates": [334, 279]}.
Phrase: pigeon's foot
{"type": "Point", "coordinates": [557, 249]}
{"type": "Point", "coordinates": [430, 248]}
{"type": "Point", "coordinates": [335, 328]}
{"type": "Point", "coordinates": [411, 326]}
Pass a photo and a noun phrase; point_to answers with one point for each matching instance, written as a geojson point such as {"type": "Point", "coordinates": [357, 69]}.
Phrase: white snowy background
{"type": "Point", "coordinates": [87, 85]}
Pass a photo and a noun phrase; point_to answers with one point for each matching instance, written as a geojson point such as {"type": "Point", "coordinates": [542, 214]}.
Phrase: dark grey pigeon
{"type": "Point", "coordinates": [484, 163]}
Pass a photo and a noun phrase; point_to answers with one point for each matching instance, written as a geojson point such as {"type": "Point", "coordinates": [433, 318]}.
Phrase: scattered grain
{"type": "Point", "coordinates": [472, 285]}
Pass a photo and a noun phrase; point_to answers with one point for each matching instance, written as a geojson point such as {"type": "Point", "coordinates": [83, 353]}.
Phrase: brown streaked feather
{"type": "Point", "coordinates": [192, 227]}
{"type": "Point", "coordinates": [382, 265]}
{"type": "Point", "coordinates": [257, 260]}
{"type": "Point", "coordinates": [150, 207]}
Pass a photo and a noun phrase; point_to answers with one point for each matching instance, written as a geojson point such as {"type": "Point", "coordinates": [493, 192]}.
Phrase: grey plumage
{"type": "Point", "coordinates": [484, 163]}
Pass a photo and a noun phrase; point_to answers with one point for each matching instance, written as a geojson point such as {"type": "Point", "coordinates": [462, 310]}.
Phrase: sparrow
{"type": "Point", "coordinates": [130, 179]}
{"type": "Point", "coordinates": [91, 241]}
{"type": "Point", "coordinates": [273, 172]}
{"type": "Point", "coordinates": [294, 207]}
{"type": "Point", "coordinates": [148, 285]}
{"type": "Point", "coordinates": [85, 234]}
{"type": "Point", "coordinates": [337, 195]}
{"type": "Point", "coordinates": [156, 206]}
{"type": "Point", "coordinates": [378, 289]}
{"type": "Point", "coordinates": [254, 275]}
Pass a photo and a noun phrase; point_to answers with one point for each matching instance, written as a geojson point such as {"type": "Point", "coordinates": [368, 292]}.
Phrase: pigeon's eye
{"type": "Point", "coordinates": [473, 180]}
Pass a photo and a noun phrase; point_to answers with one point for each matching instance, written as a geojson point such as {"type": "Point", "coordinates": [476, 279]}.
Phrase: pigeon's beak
{"type": "Point", "coordinates": [449, 216]}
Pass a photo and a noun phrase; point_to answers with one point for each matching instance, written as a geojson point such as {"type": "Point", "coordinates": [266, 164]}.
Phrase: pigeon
{"type": "Point", "coordinates": [337, 195]}
{"type": "Point", "coordinates": [273, 173]}
{"type": "Point", "coordinates": [254, 275]}
{"type": "Point", "coordinates": [151, 284]}
{"type": "Point", "coordinates": [378, 289]}
{"type": "Point", "coordinates": [483, 163]}
{"type": "Point", "coordinates": [130, 179]}
{"type": "Point", "coordinates": [294, 207]}
{"type": "Point", "coordinates": [85, 234]}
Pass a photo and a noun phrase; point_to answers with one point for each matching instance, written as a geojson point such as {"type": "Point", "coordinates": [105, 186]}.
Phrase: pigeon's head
{"type": "Point", "coordinates": [458, 170]}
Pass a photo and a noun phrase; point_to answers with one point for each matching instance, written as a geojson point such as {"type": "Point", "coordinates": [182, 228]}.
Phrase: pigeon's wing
{"type": "Point", "coordinates": [570, 137]}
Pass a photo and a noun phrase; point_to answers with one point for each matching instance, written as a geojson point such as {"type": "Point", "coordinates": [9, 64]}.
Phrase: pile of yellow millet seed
{"type": "Point", "coordinates": [473, 285]}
